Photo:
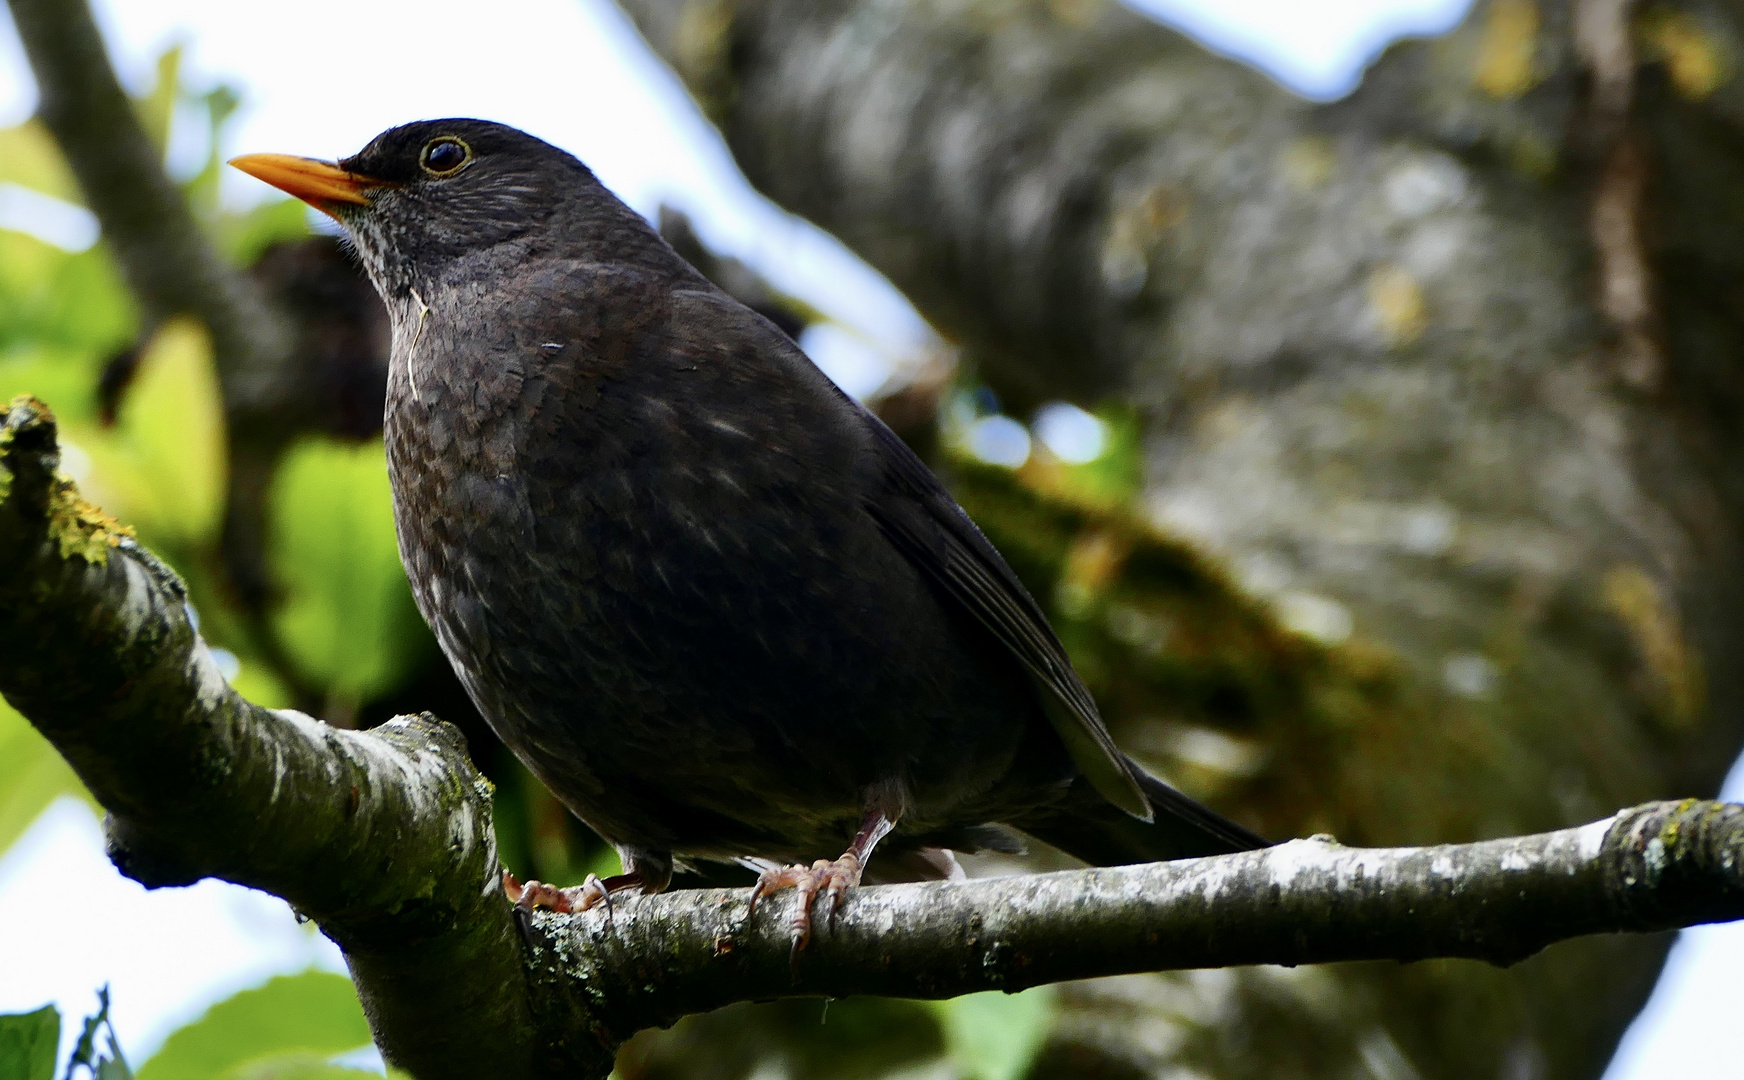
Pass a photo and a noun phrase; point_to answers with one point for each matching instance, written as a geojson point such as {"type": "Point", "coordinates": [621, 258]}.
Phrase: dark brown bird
{"type": "Point", "coordinates": [714, 604]}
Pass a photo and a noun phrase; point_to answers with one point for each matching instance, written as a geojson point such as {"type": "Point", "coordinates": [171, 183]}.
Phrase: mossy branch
{"type": "Point", "coordinates": [384, 838]}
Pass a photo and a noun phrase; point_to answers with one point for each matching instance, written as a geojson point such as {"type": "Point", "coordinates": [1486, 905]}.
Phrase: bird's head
{"type": "Point", "coordinates": [425, 194]}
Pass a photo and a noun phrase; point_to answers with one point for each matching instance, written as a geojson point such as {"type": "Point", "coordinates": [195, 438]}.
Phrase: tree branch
{"type": "Point", "coordinates": [1653, 867]}
{"type": "Point", "coordinates": [384, 838]}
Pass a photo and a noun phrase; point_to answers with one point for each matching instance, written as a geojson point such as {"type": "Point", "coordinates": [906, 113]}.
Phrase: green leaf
{"type": "Point", "coordinates": [157, 108]}
{"type": "Point", "coordinates": [296, 1067]}
{"type": "Point", "coordinates": [297, 1021]}
{"type": "Point", "coordinates": [163, 468]}
{"type": "Point", "coordinates": [113, 1068]}
{"type": "Point", "coordinates": [256, 682]}
{"type": "Point", "coordinates": [53, 297]}
{"type": "Point", "coordinates": [347, 618]}
{"type": "Point", "coordinates": [64, 378]}
{"type": "Point", "coordinates": [32, 775]}
{"type": "Point", "coordinates": [995, 1036]}
{"type": "Point", "coordinates": [30, 158]}
{"type": "Point", "coordinates": [28, 1044]}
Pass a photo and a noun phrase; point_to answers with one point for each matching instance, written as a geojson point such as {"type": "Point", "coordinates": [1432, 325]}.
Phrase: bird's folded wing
{"type": "Point", "coordinates": [926, 524]}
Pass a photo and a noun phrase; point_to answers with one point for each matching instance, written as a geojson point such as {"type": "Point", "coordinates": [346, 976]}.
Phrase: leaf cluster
{"type": "Point", "coordinates": [290, 1028]}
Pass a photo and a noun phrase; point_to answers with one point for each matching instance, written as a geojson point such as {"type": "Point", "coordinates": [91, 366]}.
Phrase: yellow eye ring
{"type": "Point", "coordinates": [445, 155]}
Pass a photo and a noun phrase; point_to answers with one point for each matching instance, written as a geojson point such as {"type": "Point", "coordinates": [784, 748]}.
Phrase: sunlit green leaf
{"type": "Point", "coordinates": [163, 466]}
{"type": "Point", "coordinates": [32, 775]}
{"type": "Point", "coordinates": [64, 378]}
{"type": "Point", "coordinates": [296, 1020]}
{"type": "Point", "coordinates": [28, 1043]}
{"type": "Point", "coordinates": [29, 157]}
{"type": "Point", "coordinates": [347, 617]}
{"type": "Point", "coordinates": [257, 683]}
{"type": "Point", "coordinates": [50, 296]}
{"type": "Point", "coordinates": [157, 108]}
{"type": "Point", "coordinates": [995, 1036]}
{"type": "Point", "coordinates": [296, 1067]}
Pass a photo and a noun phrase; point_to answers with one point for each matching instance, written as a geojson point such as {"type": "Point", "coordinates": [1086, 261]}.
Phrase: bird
{"type": "Point", "coordinates": [709, 599]}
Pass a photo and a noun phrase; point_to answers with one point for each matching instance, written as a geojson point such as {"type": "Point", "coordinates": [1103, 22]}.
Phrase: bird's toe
{"type": "Point", "coordinates": [538, 896]}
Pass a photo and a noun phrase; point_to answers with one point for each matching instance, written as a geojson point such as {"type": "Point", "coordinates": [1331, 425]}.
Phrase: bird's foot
{"type": "Point", "coordinates": [833, 878]}
{"type": "Point", "coordinates": [536, 895]}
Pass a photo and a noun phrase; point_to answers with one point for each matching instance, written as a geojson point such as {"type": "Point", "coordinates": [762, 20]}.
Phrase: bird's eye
{"type": "Point", "coordinates": [444, 156]}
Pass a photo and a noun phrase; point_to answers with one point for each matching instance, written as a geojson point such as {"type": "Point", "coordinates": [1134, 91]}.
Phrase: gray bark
{"type": "Point", "coordinates": [1444, 374]}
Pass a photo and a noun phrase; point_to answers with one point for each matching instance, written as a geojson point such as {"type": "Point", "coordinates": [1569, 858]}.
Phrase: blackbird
{"type": "Point", "coordinates": [711, 601]}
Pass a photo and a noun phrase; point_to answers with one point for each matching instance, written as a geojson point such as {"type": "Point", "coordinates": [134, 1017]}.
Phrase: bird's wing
{"type": "Point", "coordinates": [926, 524]}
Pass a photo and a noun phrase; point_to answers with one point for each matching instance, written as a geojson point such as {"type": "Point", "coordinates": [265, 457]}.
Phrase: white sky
{"type": "Point", "coordinates": [325, 77]}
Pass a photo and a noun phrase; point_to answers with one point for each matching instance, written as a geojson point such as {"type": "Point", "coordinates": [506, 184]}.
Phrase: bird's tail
{"type": "Point", "coordinates": [1089, 827]}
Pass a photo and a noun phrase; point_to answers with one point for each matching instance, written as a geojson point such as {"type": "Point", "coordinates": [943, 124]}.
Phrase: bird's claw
{"type": "Point", "coordinates": [536, 895]}
{"type": "Point", "coordinates": [833, 878]}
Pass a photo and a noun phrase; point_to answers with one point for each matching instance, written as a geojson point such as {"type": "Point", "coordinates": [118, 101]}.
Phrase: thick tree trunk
{"type": "Point", "coordinates": [1438, 535]}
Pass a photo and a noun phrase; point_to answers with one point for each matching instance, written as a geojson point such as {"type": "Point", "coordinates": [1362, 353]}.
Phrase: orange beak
{"type": "Point", "coordinates": [321, 184]}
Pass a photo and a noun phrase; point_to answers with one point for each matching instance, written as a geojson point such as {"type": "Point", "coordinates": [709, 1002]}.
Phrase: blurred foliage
{"type": "Point", "coordinates": [28, 1044]}
{"type": "Point", "coordinates": [244, 237]}
{"type": "Point", "coordinates": [990, 1036]}
{"type": "Point", "coordinates": [103, 1061]}
{"type": "Point", "coordinates": [287, 1029]}
{"type": "Point", "coordinates": [161, 466]}
{"type": "Point", "coordinates": [290, 1028]}
{"type": "Point", "coordinates": [995, 1036]}
{"type": "Point", "coordinates": [347, 615]}
{"type": "Point", "coordinates": [32, 775]}
{"type": "Point", "coordinates": [29, 157]}
{"type": "Point", "coordinates": [797, 1038]}
{"type": "Point", "coordinates": [1106, 482]}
